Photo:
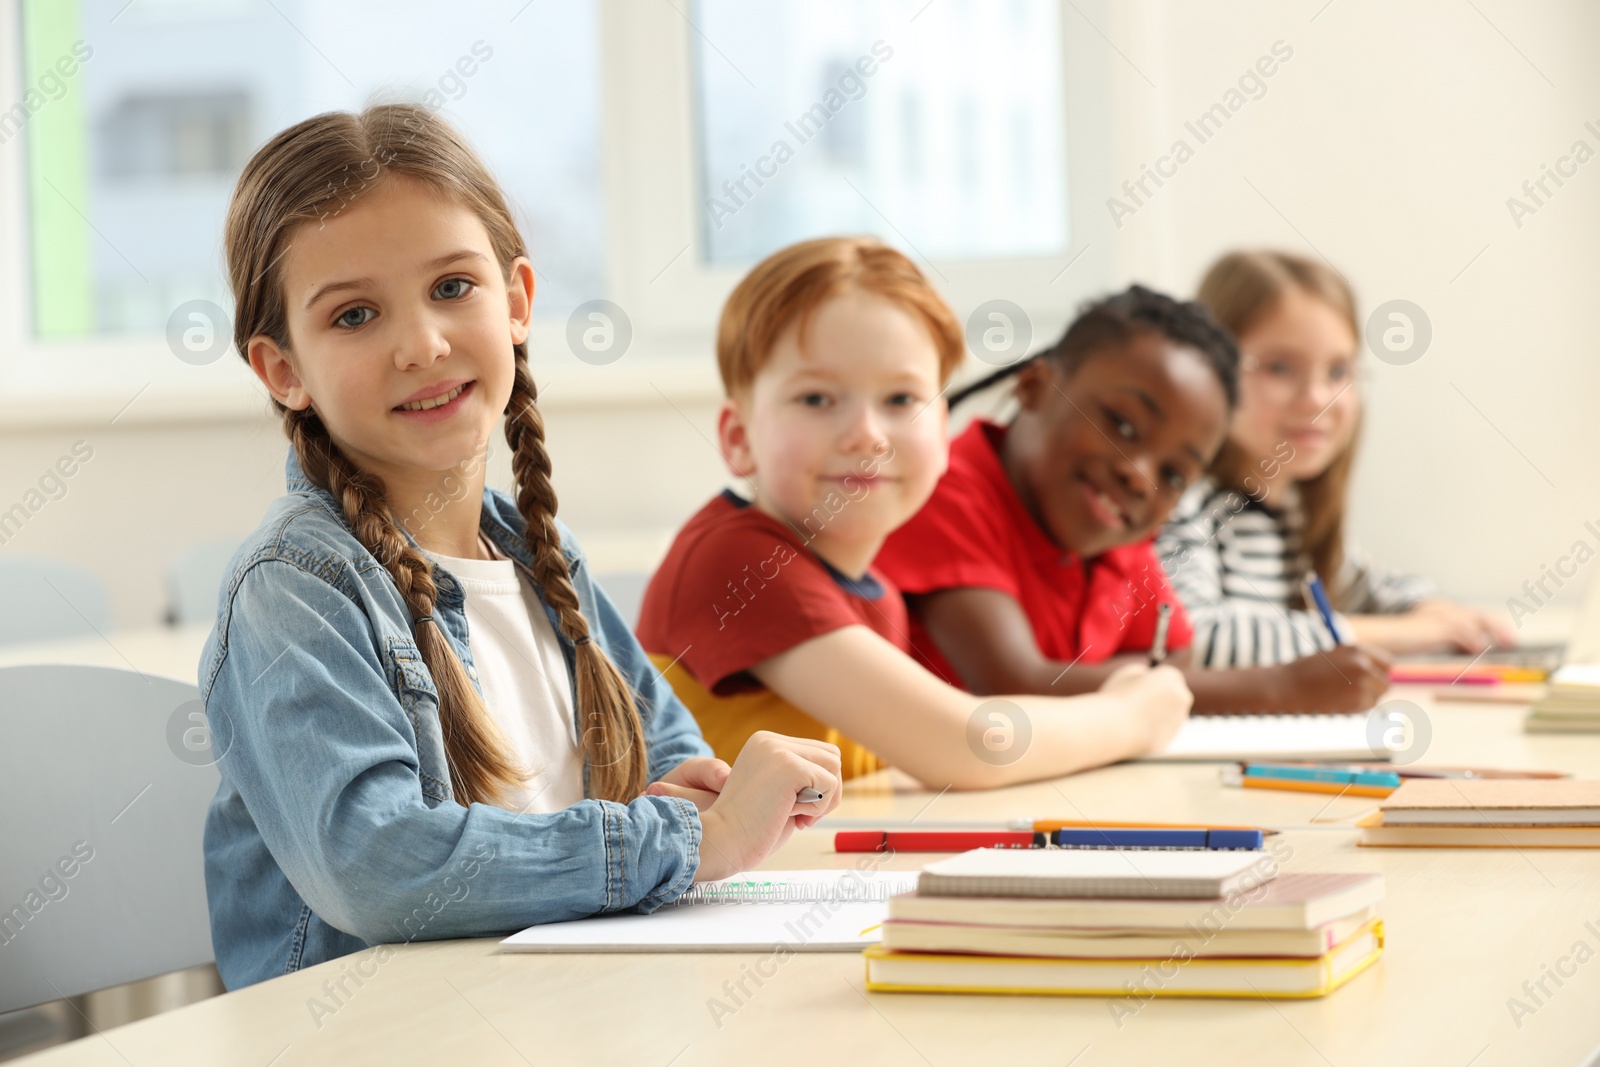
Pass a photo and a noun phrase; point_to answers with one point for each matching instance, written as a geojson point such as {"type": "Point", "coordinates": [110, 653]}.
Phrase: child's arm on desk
{"type": "Point", "coordinates": [1434, 626]}
{"type": "Point", "coordinates": [857, 682]}
{"type": "Point", "coordinates": [986, 636]}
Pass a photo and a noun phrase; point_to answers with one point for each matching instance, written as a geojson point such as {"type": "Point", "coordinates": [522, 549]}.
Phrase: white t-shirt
{"type": "Point", "coordinates": [523, 677]}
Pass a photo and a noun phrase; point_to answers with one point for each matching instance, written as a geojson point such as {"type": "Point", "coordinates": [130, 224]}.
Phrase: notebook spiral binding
{"type": "Point", "coordinates": [842, 892]}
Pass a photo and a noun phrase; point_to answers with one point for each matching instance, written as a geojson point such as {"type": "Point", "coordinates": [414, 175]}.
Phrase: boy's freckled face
{"type": "Point", "coordinates": [844, 439]}
{"type": "Point", "coordinates": [1101, 456]}
{"type": "Point", "coordinates": [397, 296]}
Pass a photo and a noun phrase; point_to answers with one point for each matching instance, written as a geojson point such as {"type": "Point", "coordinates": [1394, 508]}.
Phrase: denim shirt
{"type": "Point", "coordinates": [335, 827]}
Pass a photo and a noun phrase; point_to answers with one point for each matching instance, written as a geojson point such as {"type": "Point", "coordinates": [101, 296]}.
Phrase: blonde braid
{"type": "Point", "coordinates": [613, 734]}
{"type": "Point", "coordinates": [482, 768]}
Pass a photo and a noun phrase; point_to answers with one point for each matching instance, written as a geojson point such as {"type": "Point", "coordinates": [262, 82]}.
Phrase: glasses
{"type": "Point", "coordinates": [1286, 379]}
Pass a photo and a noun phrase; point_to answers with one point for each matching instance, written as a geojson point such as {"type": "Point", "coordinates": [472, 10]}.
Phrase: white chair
{"type": "Point", "coordinates": [193, 579]}
{"type": "Point", "coordinates": [110, 773]}
{"type": "Point", "coordinates": [45, 600]}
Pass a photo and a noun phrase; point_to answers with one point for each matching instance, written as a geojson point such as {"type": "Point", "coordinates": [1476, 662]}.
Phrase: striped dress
{"type": "Point", "coordinates": [1238, 565]}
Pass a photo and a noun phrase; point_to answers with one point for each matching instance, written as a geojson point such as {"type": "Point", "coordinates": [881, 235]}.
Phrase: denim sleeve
{"type": "Point", "coordinates": [325, 759]}
{"type": "Point", "coordinates": [670, 730]}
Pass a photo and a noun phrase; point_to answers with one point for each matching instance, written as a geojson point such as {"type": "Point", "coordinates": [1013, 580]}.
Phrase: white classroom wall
{"type": "Point", "coordinates": [1389, 143]}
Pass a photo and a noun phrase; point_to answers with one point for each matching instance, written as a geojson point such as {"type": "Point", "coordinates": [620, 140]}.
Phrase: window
{"type": "Point", "coordinates": [637, 142]}
{"type": "Point", "coordinates": [945, 133]}
{"type": "Point", "coordinates": [145, 113]}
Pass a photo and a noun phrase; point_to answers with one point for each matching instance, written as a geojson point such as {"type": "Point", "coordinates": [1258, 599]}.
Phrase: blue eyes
{"type": "Point", "coordinates": [450, 289]}
{"type": "Point", "coordinates": [344, 318]}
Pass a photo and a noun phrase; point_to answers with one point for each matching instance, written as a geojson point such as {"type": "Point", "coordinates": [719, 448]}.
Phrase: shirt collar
{"type": "Point", "coordinates": [868, 587]}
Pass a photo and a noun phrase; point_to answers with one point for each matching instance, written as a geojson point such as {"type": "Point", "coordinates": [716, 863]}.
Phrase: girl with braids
{"type": "Point", "coordinates": [1031, 569]}
{"type": "Point", "coordinates": [431, 722]}
{"type": "Point", "coordinates": [1273, 505]}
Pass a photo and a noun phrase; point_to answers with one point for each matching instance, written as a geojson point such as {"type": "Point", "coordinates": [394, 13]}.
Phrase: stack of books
{"type": "Point", "coordinates": [1571, 701]}
{"type": "Point", "coordinates": [1127, 924]}
{"type": "Point", "coordinates": [1487, 813]}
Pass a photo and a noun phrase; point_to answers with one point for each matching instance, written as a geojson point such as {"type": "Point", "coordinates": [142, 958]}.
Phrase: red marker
{"type": "Point", "coordinates": [933, 840]}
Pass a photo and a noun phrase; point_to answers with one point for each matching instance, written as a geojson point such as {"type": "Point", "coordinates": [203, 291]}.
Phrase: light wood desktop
{"type": "Point", "coordinates": [1466, 930]}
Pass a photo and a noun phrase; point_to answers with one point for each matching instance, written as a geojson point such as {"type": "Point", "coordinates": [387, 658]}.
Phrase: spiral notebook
{"type": "Point", "coordinates": [761, 911]}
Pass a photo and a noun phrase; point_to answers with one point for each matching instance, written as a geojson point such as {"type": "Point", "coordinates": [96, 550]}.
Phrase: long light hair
{"type": "Point", "coordinates": [1240, 289]}
{"type": "Point", "coordinates": [314, 170]}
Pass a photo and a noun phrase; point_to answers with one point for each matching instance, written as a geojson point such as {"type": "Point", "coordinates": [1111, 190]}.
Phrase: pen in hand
{"type": "Point", "coordinates": [808, 796]}
{"type": "Point", "coordinates": [1319, 596]}
{"type": "Point", "coordinates": [1158, 647]}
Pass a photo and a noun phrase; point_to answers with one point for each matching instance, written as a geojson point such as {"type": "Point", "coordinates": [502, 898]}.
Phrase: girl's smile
{"type": "Point", "coordinates": [436, 402]}
{"type": "Point", "coordinates": [1103, 506]}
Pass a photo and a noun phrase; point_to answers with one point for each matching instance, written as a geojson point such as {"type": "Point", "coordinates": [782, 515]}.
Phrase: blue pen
{"type": "Point", "coordinates": [1319, 596]}
{"type": "Point", "coordinates": [1114, 838]}
{"type": "Point", "coordinates": [1387, 779]}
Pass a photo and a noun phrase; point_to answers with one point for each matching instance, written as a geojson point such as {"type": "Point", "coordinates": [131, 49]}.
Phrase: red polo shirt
{"type": "Point", "coordinates": [738, 587]}
{"type": "Point", "coordinates": [975, 533]}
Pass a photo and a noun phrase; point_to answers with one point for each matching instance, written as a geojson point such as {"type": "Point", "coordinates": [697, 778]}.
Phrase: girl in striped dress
{"type": "Point", "coordinates": [1272, 510]}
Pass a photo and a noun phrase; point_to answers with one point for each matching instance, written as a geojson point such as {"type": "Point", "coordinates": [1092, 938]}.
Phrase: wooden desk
{"type": "Point", "coordinates": [1466, 929]}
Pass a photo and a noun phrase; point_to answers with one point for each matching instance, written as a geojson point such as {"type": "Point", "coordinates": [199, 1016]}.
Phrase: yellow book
{"type": "Point", "coordinates": [1172, 976]}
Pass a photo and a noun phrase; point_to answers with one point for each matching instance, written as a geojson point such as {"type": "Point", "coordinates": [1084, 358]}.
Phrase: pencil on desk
{"type": "Point", "coordinates": [1299, 785]}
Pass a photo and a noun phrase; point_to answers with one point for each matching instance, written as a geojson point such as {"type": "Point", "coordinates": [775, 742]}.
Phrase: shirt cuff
{"type": "Point", "coordinates": [678, 845]}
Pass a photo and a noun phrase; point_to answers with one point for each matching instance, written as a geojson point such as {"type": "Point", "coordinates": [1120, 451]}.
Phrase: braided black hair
{"type": "Point", "coordinates": [1114, 319]}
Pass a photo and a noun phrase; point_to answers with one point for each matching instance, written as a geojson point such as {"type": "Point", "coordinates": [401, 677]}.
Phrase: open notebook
{"type": "Point", "coordinates": [762, 911]}
{"type": "Point", "coordinates": [1366, 736]}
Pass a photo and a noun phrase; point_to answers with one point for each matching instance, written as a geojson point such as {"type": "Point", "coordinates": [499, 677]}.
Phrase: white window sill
{"type": "Point", "coordinates": [228, 392]}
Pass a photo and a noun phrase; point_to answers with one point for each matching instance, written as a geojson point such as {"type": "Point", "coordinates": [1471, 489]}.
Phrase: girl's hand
{"type": "Point", "coordinates": [1462, 628]}
{"type": "Point", "coordinates": [756, 810]}
{"type": "Point", "coordinates": [698, 779]}
{"type": "Point", "coordinates": [1433, 626]}
{"type": "Point", "coordinates": [1159, 699]}
{"type": "Point", "coordinates": [1344, 679]}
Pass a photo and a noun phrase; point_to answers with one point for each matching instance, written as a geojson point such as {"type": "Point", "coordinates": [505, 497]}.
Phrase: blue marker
{"type": "Point", "coordinates": [1319, 596]}
{"type": "Point", "coordinates": [1113, 838]}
